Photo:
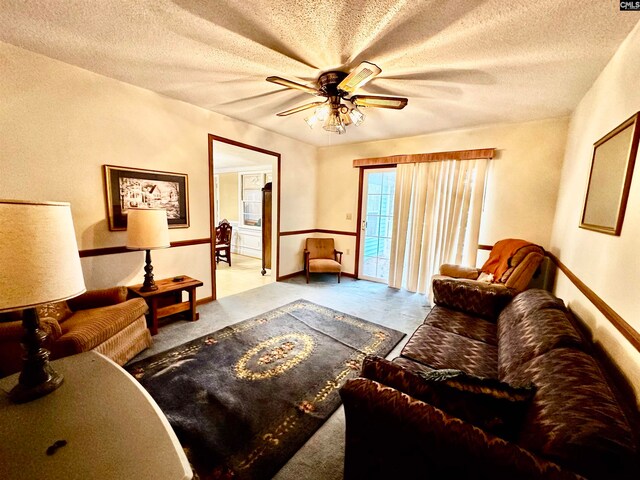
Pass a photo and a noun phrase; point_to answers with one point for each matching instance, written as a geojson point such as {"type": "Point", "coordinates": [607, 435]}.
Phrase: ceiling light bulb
{"type": "Point", "coordinates": [312, 120]}
{"type": "Point", "coordinates": [322, 112]}
{"type": "Point", "coordinates": [357, 117]}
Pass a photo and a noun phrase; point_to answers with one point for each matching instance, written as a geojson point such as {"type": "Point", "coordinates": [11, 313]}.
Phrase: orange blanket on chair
{"type": "Point", "coordinates": [498, 261]}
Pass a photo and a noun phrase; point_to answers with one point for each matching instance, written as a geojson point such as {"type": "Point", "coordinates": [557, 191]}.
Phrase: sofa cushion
{"type": "Point", "coordinates": [525, 303]}
{"type": "Point", "coordinates": [412, 366]}
{"type": "Point", "coordinates": [494, 406]}
{"type": "Point", "coordinates": [463, 324]}
{"type": "Point", "coordinates": [87, 329]}
{"type": "Point", "coordinates": [324, 265]}
{"type": "Point", "coordinates": [485, 300]}
{"type": "Point", "coordinates": [440, 349]}
{"type": "Point", "coordinates": [574, 417]}
{"type": "Point", "coordinates": [535, 334]}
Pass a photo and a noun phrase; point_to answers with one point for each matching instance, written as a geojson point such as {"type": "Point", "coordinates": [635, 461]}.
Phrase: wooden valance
{"type": "Point", "coordinates": [426, 157]}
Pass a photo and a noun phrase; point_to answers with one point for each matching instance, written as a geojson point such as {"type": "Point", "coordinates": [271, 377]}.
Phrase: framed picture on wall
{"type": "Point", "coordinates": [612, 165]}
{"type": "Point", "coordinates": [137, 188]}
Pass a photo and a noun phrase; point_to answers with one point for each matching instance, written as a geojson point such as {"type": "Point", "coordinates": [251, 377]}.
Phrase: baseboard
{"type": "Point", "coordinates": [204, 300]}
{"type": "Point", "coordinates": [301, 272]}
{"type": "Point", "coordinates": [289, 275]}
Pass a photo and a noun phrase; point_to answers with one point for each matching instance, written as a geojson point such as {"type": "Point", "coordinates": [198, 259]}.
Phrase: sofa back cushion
{"type": "Point", "coordinates": [485, 300]}
{"type": "Point", "coordinates": [538, 332]}
{"type": "Point", "coordinates": [574, 418]}
{"type": "Point", "coordinates": [526, 302]}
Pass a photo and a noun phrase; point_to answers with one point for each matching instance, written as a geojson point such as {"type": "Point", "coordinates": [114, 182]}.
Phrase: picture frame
{"type": "Point", "coordinates": [139, 188]}
{"type": "Point", "coordinates": [612, 164]}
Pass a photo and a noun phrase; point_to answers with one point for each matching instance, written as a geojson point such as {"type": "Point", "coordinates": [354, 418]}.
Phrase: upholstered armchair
{"type": "Point", "coordinates": [100, 320]}
{"type": "Point", "coordinates": [223, 241]}
{"type": "Point", "coordinates": [321, 256]}
{"type": "Point", "coordinates": [510, 265]}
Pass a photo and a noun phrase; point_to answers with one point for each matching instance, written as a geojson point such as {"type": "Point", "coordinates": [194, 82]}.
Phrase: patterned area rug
{"type": "Point", "coordinates": [244, 399]}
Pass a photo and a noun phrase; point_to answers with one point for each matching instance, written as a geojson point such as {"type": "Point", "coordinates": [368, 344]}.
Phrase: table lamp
{"type": "Point", "coordinates": [147, 229]}
{"type": "Point", "coordinates": [40, 264]}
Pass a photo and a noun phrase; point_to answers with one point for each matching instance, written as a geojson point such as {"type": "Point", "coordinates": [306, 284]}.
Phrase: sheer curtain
{"type": "Point", "coordinates": [436, 219]}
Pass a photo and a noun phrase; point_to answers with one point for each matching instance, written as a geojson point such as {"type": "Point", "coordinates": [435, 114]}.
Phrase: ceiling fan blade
{"type": "Point", "coordinates": [300, 108]}
{"type": "Point", "coordinates": [359, 76]}
{"type": "Point", "coordinates": [289, 84]}
{"type": "Point", "coordinates": [397, 103]}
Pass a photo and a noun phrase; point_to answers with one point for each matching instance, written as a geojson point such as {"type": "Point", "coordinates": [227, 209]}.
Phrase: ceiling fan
{"type": "Point", "coordinates": [340, 109]}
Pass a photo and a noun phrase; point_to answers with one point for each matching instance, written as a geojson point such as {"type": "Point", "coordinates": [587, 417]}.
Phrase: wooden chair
{"type": "Point", "coordinates": [320, 256]}
{"type": "Point", "coordinates": [223, 241]}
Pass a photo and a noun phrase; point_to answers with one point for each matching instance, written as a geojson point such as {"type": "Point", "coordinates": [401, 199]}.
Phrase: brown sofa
{"type": "Point", "coordinates": [568, 422]}
{"type": "Point", "coordinates": [100, 320]}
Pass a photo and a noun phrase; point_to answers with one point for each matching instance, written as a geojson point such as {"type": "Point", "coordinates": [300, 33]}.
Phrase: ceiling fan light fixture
{"type": "Point", "coordinates": [334, 123]}
{"type": "Point", "coordinates": [340, 109]}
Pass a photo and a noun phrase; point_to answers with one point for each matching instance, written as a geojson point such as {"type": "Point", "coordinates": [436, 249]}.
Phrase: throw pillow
{"type": "Point", "coordinates": [58, 311]}
{"type": "Point", "coordinates": [487, 403]}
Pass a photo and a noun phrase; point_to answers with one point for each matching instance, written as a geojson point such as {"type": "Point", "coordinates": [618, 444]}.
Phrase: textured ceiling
{"type": "Point", "coordinates": [460, 62]}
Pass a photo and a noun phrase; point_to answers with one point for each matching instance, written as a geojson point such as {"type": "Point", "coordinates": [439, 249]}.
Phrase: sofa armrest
{"type": "Point", "coordinates": [98, 298]}
{"type": "Point", "coordinates": [392, 435]}
{"type": "Point", "coordinates": [485, 300]}
{"type": "Point", "coordinates": [337, 255]}
{"type": "Point", "coordinates": [521, 275]}
{"type": "Point", "coordinates": [458, 271]}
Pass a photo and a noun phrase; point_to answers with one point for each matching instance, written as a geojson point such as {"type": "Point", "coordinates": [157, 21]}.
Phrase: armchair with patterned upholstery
{"type": "Point", "coordinates": [321, 256]}
{"type": "Point", "coordinates": [511, 265]}
{"type": "Point", "coordinates": [100, 320]}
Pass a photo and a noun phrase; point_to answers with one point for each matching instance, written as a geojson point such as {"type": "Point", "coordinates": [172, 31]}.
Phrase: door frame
{"type": "Point", "coordinates": [361, 169]}
{"type": "Point", "coordinates": [212, 228]}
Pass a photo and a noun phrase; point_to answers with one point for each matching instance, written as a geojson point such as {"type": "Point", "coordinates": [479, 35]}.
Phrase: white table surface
{"type": "Point", "coordinates": [113, 428]}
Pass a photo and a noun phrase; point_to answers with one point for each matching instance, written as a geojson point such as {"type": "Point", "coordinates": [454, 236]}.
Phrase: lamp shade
{"type": "Point", "coordinates": [147, 229]}
{"type": "Point", "coordinates": [40, 261]}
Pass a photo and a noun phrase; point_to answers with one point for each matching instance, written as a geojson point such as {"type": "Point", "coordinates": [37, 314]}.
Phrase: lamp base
{"type": "Point", "coordinates": [23, 393]}
{"type": "Point", "coordinates": [38, 378]}
{"type": "Point", "coordinates": [149, 285]}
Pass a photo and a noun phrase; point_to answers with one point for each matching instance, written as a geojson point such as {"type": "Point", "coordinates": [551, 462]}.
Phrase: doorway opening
{"type": "Point", "coordinates": [241, 176]}
{"type": "Point", "coordinates": [378, 190]}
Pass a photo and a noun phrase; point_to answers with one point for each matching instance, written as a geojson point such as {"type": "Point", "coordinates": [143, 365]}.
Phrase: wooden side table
{"type": "Point", "coordinates": [112, 427]}
{"type": "Point", "coordinates": [167, 299]}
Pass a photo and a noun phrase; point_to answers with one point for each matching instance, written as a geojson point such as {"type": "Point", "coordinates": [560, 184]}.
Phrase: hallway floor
{"type": "Point", "coordinates": [244, 274]}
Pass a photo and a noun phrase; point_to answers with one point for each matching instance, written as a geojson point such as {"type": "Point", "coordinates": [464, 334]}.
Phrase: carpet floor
{"type": "Point", "coordinates": [244, 399]}
{"type": "Point", "coordinates": [322, 455]}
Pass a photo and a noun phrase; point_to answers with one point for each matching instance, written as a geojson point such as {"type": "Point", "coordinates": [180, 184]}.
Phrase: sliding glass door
{"type": "Point", "coordinates": [377, 221]}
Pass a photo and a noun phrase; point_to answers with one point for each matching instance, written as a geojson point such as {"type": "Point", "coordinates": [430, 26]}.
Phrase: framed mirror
{"type": "Point", "coordinates": [614, 156]}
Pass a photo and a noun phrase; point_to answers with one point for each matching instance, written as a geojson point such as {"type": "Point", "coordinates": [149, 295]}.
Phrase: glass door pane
{"type": "Point", "coordinates": [377, 213]}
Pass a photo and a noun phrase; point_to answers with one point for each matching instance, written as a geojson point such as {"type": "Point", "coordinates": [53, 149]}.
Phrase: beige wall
{"type": "Point", "coordinates": [609, 265]}
{"type": "Point", "coordinates": [59, 124]}
{"type": "Point", "coordinates": [228, 196]}
{"type": "Point", "coordinates": [521, 185]}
